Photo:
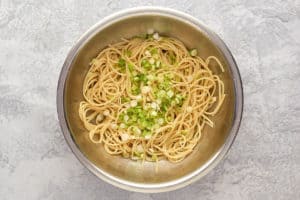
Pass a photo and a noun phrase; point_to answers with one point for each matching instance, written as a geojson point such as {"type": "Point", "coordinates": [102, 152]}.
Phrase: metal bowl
{"type": "Point", "coordinates": [125, 173]}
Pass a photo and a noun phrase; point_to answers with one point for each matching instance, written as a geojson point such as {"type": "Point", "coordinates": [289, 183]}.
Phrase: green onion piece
{"type": "Point", "coordinates": [130, 67]}
{"type": "Point", "coordinates": [137, 154]}
{"type": "Point", "coordinates": [125, 99]}
{"type": "Point", "coordinates": [154, 51]}
{"type": "Point", "coordinates": [170, 93]}
{"type": "Point", "coordinates": [161, 94]}
{"type": "Point", "coordinates": [160, 121]}
{"type": "Point", "coordinates": [122, 63]}
{"type": "Point", "coordinates": [157, 64]}
{"type": "Point", "coordinates": [137, 131]}
{"type": "Point", "coordinates": [128, 53]}
{"type": "Point", "coordinates": [136, 91]}
{"type": "Point", "coordinates": [149, 36]}
{"type": "Point", "coordinates": [154, 157]}
{"type": "Point", "coordinates": [146, 132]}
{"type": "Point", "coordinates": [146, 64]}
{"type": "Point", "coordinates": [172, 58]}
{"type": "Point", "coordinates": [136, 79]}
{"type": "Point", "coordinates": [184, 132]}
{"type": "Point", "coordinates": [134, 118]}
{"type": "Point", "coordinates": [193, 52]}
{"type": "Point", "coordinates": [143, 78]}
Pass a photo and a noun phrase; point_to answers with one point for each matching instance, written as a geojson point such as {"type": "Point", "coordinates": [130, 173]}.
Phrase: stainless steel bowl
{"type": "Point", "coordinates": [129, 174]}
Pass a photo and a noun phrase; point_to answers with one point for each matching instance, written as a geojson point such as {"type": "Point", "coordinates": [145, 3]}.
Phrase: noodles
{"type": "Point", "coordinates": [149, 99]}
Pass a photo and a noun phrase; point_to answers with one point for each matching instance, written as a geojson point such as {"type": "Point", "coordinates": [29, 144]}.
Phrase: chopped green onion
{"type": "Point", "coordinates": [146, 89]}
{"type": "Point", "coordinates": [146, 65]}
{"type": "Point", "coordinates": [99, 118]}
{"type": "Point", "coordinates": [172, 58]}
{"type": "Point", "coordinates": [150, 77]}
{"type": "Point", "coordinates": [154, 157]}
{"type": "Point", "coordinates": [147, 53]}
{"type": "Point", "coordinates": [157, 64]}
{"type": "Point", "coordinates": [184, 132]}
{"type": "Point", "coordinates": [122, 63]}
{"type": "Point", "coordinates": [124, 136]}
{"type": "Point", "coordinates": [154, 51]}
{"type": "Point", "coordinates": [134, 118]}
{"type": "Point", "coordinates": [153, 113]}
{"type": "Point", "coordinates": [122, 125]}
{"type": "Point", "coordinates": [156, 36]}
{"type": "Point", "coordinates": [193, 52]}
{"type": "Point", "coordinates": [158, 101]}
{"type": "Point", "coordinates": [128, 53]}
{"type": "Point", "coordinates": [146, 132]}
{"type": "Point", "coordinates": [150, 31]}
{"type": "Point", "coordinates": [170, 93]}
{"type": "Point", "coordinates": [173, 103]}
{"type": "Point", "coordinates": [161, 94]}
{"type": "Point", "coordinates": [125, 99]}
{"type": "Point", "coordinates": [133, 103]}
{"type": "Point", "coordinates": [154, 105]}
{"type": "Point", "coordinates": [149, 36]}
{"type": "Point", "coordinates": [136, 79]}
{"type": "Point", "coordinates": [151, 61]}
{"type": "Point", "coordinates": [130, 67]}
{"type": "Point", "coordinates": [113, 126]}
{"type": "Point", "coordinates": [126, 118]}
{"type": "Point", "coordinates": [141, 118]}
{"type": "Point", "coordinates": [160, 121]}
{"type": "Point", "coordinates": [137, 131]}
{"type": "Point", "coordinates": [106, 113]}
{"type": "Point", "coordinates": [189, 109]}
{"type": "Point", "coordinates": [190, 78]}
{"type": "Point", "coordinates": [156, 126]}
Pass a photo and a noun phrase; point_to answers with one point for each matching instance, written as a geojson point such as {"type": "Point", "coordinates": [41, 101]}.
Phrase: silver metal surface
{"type": "Point", "coordinates": [129, 174]}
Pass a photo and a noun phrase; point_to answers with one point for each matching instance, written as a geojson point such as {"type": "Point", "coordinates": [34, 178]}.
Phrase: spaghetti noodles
{"type": "Point", "coordinates": [150, 98]}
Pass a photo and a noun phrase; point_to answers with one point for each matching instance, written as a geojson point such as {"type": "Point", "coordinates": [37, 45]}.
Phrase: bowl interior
{"type": "Point", "coordinates": [125, 169]}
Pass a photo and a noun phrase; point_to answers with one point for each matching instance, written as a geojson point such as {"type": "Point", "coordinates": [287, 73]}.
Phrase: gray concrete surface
{"type": "Point", "coordinates": [35, 162]}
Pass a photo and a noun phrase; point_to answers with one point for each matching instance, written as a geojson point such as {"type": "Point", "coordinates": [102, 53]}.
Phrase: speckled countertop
{"type": "Point", "coordinates": [36, 163]}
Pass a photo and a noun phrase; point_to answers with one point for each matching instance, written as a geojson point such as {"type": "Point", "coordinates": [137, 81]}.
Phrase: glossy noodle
{"type": "Point", "coordinates": [150, 98]}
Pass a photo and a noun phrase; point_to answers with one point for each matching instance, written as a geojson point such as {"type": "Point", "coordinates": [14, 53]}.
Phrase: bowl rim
{"type": "Point", "coordinates": [189, 178]}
